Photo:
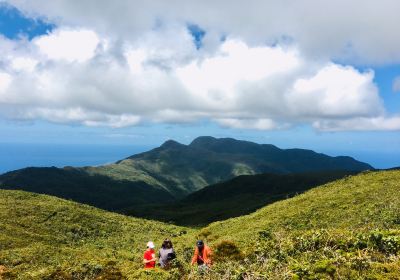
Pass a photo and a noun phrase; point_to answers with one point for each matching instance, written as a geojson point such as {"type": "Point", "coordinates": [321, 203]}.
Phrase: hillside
{"type": "Point", "coordinates": [75, 184]}
{"type": "Point", "coordinates": [239, 196]}
{"type": "Point", "coordinates": [347, 229]}
{"type": "Point", "coordinates": [43, 237]}
{"type": "Point", "coordinates": [171, 171]}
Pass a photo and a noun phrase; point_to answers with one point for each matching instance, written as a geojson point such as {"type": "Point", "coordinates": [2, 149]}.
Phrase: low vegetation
{"type": "Point", "coordinates": [43, 237]}
{"type": "Point", "coordinates": [347, 229]}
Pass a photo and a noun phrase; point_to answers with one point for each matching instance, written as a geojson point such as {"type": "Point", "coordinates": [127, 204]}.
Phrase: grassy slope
{"type": "Point", "coordinates": [348, 229]}
{"type": "Point", "coordinates": [365, 201]}
{"type": "Point", "coordinates": [43, 236]}
{"type": "Point", "coordinates": [351, 225]}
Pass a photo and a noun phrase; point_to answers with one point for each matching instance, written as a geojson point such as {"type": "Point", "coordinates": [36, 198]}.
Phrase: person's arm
{"type": "Point", "coordinates": [194, 259]}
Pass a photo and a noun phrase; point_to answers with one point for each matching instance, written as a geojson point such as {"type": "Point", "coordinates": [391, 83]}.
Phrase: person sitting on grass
{"type": "Point", "coordinates": [149, 258]}
{"type": "Point", "coordinates": [166, 254]}
{"type": "Point", "coordinates": [202, 255]}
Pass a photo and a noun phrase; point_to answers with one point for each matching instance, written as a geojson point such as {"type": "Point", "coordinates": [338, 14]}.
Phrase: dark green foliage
{"type": "Point", "coordinates": [208, 160]}
{"type": "Point", "coordinates": [226, 250]}
{"type": "Point", "coordinates": [75, 184]}
{"type": "Point", "coordinates": [239, 196]}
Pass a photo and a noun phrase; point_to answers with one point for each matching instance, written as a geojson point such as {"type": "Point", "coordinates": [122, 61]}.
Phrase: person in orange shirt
{"type": "Point", "coordinates": [149, 257]}
{"type": "Point", "coordinates": [202, 255]}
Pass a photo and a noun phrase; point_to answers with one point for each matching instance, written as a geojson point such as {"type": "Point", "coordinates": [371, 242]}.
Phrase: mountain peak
{"type": "Point", "coordinates": [171, 144]}
{"type": "Point", "coordinates": [203, 140]}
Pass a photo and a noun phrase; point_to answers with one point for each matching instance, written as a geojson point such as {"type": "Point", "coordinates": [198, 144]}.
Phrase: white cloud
{"type": "Point", "coordinates": [78, 115]}
{"type": "Point", "coordinates": [380, 123]}
{"type": "Point", "coordinates": [24, 64]}
{"type": "Point", "coordinates": [257, 124]}
{"type": "Point", "coordinates": [91, 77]}
{"type": "Point", "coordinates": [363, 31]}
{"type": "Point", "coordinates": [216, 78]}
{"type": "Point", "coordinates": [5, 81]}
{"type": "Point", "coordinates": [336, 91]}
{"type": "Point", "coordinates": [396, 84]}
{"type": "Point", "coordinates": [68, 45]}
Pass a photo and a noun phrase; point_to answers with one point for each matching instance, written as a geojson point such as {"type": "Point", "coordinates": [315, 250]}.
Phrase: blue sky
{"type": "Point", "coordinates": [14, 24]}
{"type": "Point", "coordinates": [64, 82]}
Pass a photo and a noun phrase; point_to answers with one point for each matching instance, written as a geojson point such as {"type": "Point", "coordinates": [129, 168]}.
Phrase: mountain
{"type": "Point", "coordinates": [183, 169]}
{"type": "Point", "coordinates": [239, 196]}
{"type": "Point", "coordinates": [346, 229]}
{"type": "Point", "coordinates": [171, 171]}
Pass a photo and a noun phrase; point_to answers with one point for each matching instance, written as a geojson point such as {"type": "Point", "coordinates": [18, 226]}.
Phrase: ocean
{"type": "Point", "coordinates": [15, 156]}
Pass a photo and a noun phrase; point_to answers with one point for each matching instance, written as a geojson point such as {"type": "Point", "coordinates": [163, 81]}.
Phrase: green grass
{"type": "Point", "coordinates": [351, 225]}
{"type": "Point", "coordinates": [347, 229]}
{"type": "Point", "coordinates": [42, 236]}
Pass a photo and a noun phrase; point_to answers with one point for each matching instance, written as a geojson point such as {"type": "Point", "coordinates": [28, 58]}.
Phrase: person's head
{"type": "Point", "coordinates": [167, 244]}
{"type": "Point", "coordinates": [150, 245]}
{"type": "Point", "coordinates": [200, 244]}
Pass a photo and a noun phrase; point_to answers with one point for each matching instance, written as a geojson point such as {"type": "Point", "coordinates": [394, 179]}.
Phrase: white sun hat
{"type": "Point", "coordinates": [150, 245]}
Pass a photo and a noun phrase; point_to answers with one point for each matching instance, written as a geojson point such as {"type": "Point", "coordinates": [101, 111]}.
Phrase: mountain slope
{"type": "Point", "coordinates": [43, 237]}
{"type": "Point", "coordinates": [75, 184]}
{"type": "Point", "coordinates": [347, 229]}
{"type": "Point", "coordinates": [367, 200]}
{"type": "Point", "coordinates": [241, 195]}
{"type": "Point", "coordinates": [171, 171]}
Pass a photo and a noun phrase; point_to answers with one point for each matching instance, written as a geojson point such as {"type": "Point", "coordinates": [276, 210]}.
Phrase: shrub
{"type": "Point", "coordinates": [227, 250]}
{"type": "Point", "coordinates": [265, 235]}
{"type": "Point", "coordinates": [204, 233]}
{"type": "Point", "coordinates": [325, 266]}
{"type": "Point", "coordinates": [151, 274]}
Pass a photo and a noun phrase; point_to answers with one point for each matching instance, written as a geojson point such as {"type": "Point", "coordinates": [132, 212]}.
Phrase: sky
{"type": "Point", "coordinates": [323, 75]}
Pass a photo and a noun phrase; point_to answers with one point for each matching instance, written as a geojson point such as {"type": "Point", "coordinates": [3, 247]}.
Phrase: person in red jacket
{"type": "Point", "coordinates": [149, 257]}
{"type": "Point", "coordinates": [202, 255]}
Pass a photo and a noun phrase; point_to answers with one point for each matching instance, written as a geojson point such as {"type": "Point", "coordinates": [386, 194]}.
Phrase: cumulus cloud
{"type": "Point", "coordinates": [147, 68]}
{"type": "Point", "coordinates": [363, 31]}
{"type": "Point", "coordinates": [69, 45]}
{"type": "Point", "coordinates": [237, 86]}
{"type": "Point", "coordinates": [336, 91]}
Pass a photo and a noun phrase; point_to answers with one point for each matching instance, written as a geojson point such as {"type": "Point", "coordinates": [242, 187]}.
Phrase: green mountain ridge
{"type": "Point", "coordinates": [241, 195]}
{"type": "Point", "coordinates": [346, 229]}
{"type": "Point", "coordinates": [171, 171]}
